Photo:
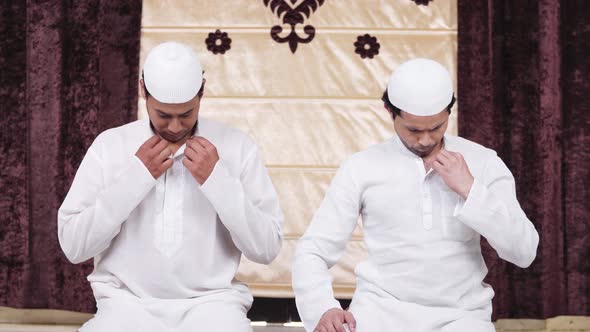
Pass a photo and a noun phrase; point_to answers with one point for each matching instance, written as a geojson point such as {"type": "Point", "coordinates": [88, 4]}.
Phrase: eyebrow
{"type": "Point", "coordinates": [433, 128]}
{"type": "Point", "coordinates": [164, 113]}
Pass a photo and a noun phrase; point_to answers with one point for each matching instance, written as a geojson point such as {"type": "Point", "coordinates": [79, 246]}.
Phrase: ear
{"type": "Point", "coordinates": [391, 112]}
{"type": "Point", "coordinates": [202, 89]}
{"type": "Point", "coordinates": [142, 88]}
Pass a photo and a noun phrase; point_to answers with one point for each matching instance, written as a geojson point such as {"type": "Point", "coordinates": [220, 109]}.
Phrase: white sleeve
{"type": "Point", "coordinates": [91, 214]}
{"type": "Point", "coordinates": [248, 207]}
{"type": "Point", "coordinates": [492, 209]}
{"type": "Point", "coordinates": [321, 247]}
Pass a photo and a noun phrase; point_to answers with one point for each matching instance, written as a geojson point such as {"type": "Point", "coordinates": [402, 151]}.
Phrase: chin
{"type": "Point", "coordinates": [177, 139]}
{"type": "Point", "coordinates": [423, 154]}
{"type": "Point", "coordinates": [173, 139]}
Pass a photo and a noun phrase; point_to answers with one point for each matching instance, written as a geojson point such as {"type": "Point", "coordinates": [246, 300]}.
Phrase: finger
{"type": "Point", "coordinates": [204, 142]}
{"type": "Point", "coordinates": [160, 146]}
{"type": "Point", "coordinates": [194, 144]}
{"type": "Point", "coordinates": [446, 153]}
{"type": "Point", "coordinates": [148, 145]}
{"type": "Point", "coordinates": [209, 147]}
{"type": "Point", "coordinates": [443, 158]}
{"type": "Point", "coordinates": [187, 162]}
{"type": "Point", "coordinates": [454, 156]}
{"type": "Point", "coordinates": [150, 142]}
{"type": "Point", "coordinates": [163, 155]}
{"type": "Point", "coordinates": [338, 326]}
{"type": "Point", "coordinates": [190, 153]}
{"type": "Point", "coordinates": [329, 327]}
{"type": "Point", "coordinates": [437, 166]}
{"type": "Point", "coordinates": [349, 319]}
{"type": "Point", "coordinates": [165, 165]}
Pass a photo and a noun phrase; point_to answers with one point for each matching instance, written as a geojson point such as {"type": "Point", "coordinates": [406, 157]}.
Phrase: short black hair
{"type": "Point", "coordinates": [147, 93]}
{"type": "Point", "coordinates": [396, 111]}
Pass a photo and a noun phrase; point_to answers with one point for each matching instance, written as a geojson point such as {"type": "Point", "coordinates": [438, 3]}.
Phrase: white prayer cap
{"type": "Point", "coordinates": [172, 73]}
{"type": "Point", "coordinates": [421, 87]}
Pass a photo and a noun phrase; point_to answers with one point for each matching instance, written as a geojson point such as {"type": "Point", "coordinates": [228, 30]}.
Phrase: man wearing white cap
{"type": "Point", "coordinates": [425, 199]}
{"type": "Point", "coordinates": [166, 206]}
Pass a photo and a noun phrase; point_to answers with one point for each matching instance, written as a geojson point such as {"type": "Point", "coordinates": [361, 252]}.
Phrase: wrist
{"type": "Point", "coordinates": [467, 188]}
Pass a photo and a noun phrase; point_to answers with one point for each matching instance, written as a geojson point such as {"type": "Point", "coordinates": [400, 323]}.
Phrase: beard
{"type": "Point", "coordinates": [173, 138]}
{"type": "Point", "coordinates": [420, 152]}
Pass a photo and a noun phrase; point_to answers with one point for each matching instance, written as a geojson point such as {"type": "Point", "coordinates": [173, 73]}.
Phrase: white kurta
{"type": "Point", "coordinates": [169, 245]}
{"type": "Point", "coordinates": [424, 269]}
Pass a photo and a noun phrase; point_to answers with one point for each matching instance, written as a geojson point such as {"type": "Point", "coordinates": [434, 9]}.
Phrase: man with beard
{"type": "Point", "coordinates": [166, 206]}
{"type": "Point", "coordinates": [425, 199]}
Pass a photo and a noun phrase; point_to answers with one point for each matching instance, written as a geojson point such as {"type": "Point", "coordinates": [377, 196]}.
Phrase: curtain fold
{"type": "Point", "coordinates": [69, 70]}
{"type": "Point", "coordinates": [521, 77]}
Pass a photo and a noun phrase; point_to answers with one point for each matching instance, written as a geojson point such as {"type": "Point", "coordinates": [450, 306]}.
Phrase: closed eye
{"type": "Point", "coordinates": [435, 129]}
{"type": "Point", "coordinates": [186, 114]}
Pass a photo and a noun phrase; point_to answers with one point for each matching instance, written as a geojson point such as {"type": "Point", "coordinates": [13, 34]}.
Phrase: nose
{"type": "Point", "coordinates": [425, 140]}
{"type": "Point", "coordinates": [174, 126]}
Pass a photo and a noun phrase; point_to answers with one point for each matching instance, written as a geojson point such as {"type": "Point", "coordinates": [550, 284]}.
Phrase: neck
{"type": "Point", "coordinates": [174, 146]}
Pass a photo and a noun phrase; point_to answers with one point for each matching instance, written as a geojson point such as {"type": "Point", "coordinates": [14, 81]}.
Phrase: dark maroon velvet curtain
{"type": "Point", "coordinates": [68, 70]}
{"type": "Point", "coordinates": [524, 90]}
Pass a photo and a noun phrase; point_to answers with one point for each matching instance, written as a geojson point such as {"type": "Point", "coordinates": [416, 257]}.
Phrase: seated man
{"type": "Point", "coordinates": [425, 199]}
{"type": "Point", "coordinates": [166, 206]}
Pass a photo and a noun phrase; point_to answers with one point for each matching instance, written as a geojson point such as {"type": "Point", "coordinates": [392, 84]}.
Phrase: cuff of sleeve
{"type": "Point", "coordinates": [319, 309]}
{"type": "Point", "coordinates": [129, 189]}
{"type": "Point", "coordinates": [140, 176]}
{"type": "Point", "coordinates": [470, 207]}
{"type": "Point", "coordinates": [140, 167]}
{"type": "Point", "coordinates": [327, 305]}
{"type": "Point", "coordinates": [218, 183]}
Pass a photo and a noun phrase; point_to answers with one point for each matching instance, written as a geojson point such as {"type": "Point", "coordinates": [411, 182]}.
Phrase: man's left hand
{"type": "Point", "coordinates": [453, 169]}
{"type": "Point", "coordinates": [200, 158]}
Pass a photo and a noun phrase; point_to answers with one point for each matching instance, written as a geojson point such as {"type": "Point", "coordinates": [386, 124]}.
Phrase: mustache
{"type": "Point", "coordinates": [193, 130]}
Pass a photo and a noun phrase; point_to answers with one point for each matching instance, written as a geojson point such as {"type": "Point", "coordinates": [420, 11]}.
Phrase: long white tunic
{"type": "Point", "coordinates": [170, 238]}
{"type": "Point", "coordinates": [424, 267]}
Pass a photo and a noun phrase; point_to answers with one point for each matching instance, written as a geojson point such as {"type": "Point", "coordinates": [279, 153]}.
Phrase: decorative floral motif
{"type": "Point", "coordinates": [292, 15]}
{"type": "Point", "coordinates": [366, 46]}
{"type": "Point", "coordinates": [218, 42]}
{"type": "Point", "coordinates": [422, 2]}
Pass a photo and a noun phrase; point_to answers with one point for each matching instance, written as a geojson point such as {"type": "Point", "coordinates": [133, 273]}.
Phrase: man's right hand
{"type": "Point", "coordinates": [333, 319]}
{"type": "Point", "coordinates": [154, 154]}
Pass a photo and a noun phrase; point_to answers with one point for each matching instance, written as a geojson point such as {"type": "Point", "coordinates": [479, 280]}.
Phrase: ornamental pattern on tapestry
{"type": "Point", "coordinates": [293, 12]}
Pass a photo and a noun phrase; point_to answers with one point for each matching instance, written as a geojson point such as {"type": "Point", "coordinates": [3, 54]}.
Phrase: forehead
{"type": "Point", "coordinates": [424, 122]}
{"type": "Point", "coordinates": [172, 108]}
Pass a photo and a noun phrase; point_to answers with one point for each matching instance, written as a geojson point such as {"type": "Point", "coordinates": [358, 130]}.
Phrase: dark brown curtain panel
{"type": "Point", "coordinates": [524, 89]}
{"type": "Point", "coordinates": [68, 70]}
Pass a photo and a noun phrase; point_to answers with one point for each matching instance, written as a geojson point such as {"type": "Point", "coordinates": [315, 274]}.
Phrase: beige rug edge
{"type": "Point", "coordinates": [16, 316]}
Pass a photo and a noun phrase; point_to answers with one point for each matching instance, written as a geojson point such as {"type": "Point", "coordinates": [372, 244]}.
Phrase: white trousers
{"type": "Point", "coordinates": [217, 312]}
{"type": "Point", "coordinates": [375, 310]}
